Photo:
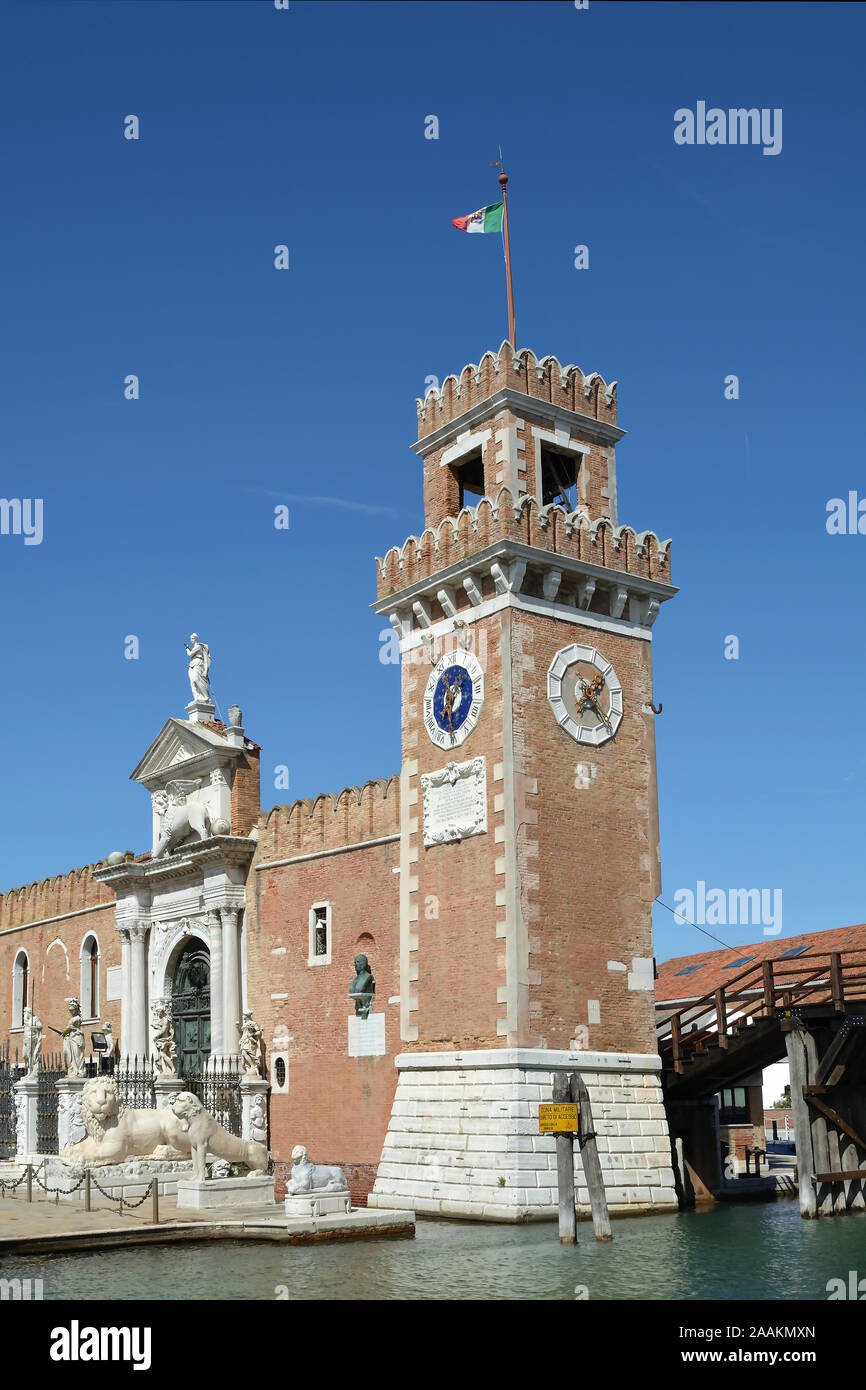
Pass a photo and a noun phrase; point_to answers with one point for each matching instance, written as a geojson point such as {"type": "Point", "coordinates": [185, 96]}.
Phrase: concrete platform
{"type": "Point", "coordinates": [41, 1227]}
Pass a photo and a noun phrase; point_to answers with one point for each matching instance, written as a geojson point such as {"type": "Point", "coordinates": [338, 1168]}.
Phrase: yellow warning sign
{"type": "Point", "coordinates": [558, 1119]}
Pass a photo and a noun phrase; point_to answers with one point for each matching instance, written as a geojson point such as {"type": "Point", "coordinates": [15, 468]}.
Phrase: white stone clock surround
{"type": "Point", "coordinates": [565, 658]}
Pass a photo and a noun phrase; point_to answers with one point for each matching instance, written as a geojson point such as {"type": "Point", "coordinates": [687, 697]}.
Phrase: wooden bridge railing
{"type": "Point", "coordinates": [762, 990]}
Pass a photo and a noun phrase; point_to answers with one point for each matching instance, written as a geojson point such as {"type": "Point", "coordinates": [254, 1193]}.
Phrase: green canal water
{"type": "Point", "coordinates": [756, 1251]}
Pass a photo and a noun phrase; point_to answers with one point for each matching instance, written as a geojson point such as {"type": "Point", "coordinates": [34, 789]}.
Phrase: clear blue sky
{"type": "Point", "coordinates": [306, 127]}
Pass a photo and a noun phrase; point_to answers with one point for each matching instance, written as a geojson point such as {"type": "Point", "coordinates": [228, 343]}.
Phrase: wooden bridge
{"type": "Point", "coordinates": [813, 1008]}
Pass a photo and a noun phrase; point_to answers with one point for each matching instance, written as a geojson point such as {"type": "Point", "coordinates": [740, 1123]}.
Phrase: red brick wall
{"type": "Point", "coordinates": [458, 959]}
{"type": "Point", "coordinates": [54, 949]}
{"type": "Point", "coordinates": [338, 1106]}
{"type": "Point", "coordinates": [246, 800]}
{"type": "Point", "coordinates": [593, 852]}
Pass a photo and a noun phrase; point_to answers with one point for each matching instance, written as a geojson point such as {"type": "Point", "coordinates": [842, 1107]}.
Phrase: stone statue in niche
{"type": "Point", "coordinates": [163, 1038]}
{"type": "Point", "coordinates": [73, 1040]}
{"type": "Point", "coordinates": [363, 987]}
{"type": "Point", "coordinates": [310, 1177]}
{"type": "Point", "coordinates": [258, 1120]}
{"type": "Point", "coordinates": [251, 1045]}
{"type": "Point", "coordinates": [198, 669]}
{"type": "Point", "coordinates": [32, 1042]}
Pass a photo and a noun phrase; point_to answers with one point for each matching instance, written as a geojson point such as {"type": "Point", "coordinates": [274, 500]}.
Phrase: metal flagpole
{"type": "Point", "coordinates": [503, 180]}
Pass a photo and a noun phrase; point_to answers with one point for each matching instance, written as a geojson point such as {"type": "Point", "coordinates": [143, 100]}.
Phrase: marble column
{"type": "Point", "coordinates": [137, 1038]}
{"type": "Point", "coordinates": [125, 1004]}
{"type": "Point", "coordinates": [231, 980]}
{"type": "Point", "coordinates": [26, 1096]}
{"type": "Point", "coordinates": [217, 1040]}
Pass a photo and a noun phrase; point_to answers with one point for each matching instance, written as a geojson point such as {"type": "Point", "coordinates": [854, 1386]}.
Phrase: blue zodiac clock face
{"type": "Point", "coordinates": [453, 699]}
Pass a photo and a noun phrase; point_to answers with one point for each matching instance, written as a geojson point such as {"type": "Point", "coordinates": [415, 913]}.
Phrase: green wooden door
{"type": "Point", "coordinates": [190, 1000]}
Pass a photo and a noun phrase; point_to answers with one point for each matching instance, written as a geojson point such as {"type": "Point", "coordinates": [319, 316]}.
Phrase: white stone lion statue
{"type": "Point", "coordinates": [313, 1177]}
{"type": "Point", "coordinates": [205, 1135]}
{"type": "Point", "coordinates": [183, 1129]}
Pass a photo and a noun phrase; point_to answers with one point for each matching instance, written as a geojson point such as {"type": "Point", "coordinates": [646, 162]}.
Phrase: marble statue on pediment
{"type": "Point", "coordinates": [32, 1042]}
{"type": "Point", "coordinates": [73, 1040]}
{"type": "Point", "coordinates": [198, 669]}
{"type": "Point", "coordinates": [251, 1045]}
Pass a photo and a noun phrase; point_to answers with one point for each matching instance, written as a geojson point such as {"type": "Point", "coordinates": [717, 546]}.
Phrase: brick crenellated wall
{"type": "Point", "coordinates": [331, 820]}
{"type": "Point", "coordinates": [523, 519]}
{"type": "Point", "coordinates": [541, 377]}
{"type": "Point", "coordinates": [49, 920]}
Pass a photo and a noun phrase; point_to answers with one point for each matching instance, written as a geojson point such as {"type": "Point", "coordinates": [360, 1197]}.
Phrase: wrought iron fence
{"type": "Point", "coordinates": [8, 1076]}
{"type": "Point", "coordinates": [218, 1088]}
{"type": "Point", "coordinates": [135, 1086]}
{"type": "Point", "coordinates": [51, 1068]}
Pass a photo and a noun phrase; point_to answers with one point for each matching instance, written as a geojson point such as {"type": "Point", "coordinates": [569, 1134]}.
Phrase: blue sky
{"type": "Point", "coordinates": [306, 127]}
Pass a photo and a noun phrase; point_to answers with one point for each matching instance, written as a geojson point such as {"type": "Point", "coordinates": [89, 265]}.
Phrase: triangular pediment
{"type": "Point", "coordinates": [179, 741]}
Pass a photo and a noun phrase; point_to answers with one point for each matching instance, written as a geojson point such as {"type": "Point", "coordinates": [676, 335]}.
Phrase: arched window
{"type": "Point", "coordinates": [20, 988]}
{"type": "Point", "coordinates": [89, 977]}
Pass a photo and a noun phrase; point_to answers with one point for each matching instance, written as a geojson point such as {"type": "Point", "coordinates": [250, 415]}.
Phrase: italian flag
{"type": "Point", "coordinates": [487, 219]}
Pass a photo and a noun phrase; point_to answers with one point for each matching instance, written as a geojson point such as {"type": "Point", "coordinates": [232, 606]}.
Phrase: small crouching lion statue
{"type": "Point", "coordinates": [308, 1177]}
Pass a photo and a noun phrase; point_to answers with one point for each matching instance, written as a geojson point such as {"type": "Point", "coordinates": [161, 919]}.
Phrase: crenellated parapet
{"type": "Point", "coordinates": [548, 528]}
{"type": "Point", "coordinates": [53, 897]}
{"type": "Point", "coordinates": [543, 378]}
{"type": "Point", "coordinates": [331, 820]}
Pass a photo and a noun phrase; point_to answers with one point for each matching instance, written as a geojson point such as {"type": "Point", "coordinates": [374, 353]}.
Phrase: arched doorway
{"type": "Point", "coordinates": [190, 1006]}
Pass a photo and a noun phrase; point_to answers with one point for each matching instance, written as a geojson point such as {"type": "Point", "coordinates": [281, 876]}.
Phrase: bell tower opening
{"type": "Point", "coordinates": [469, 474]}
{"type": "Point", "coordinates": [558, 479]}
{"type": "Point", "coordinates": [190, 1006]}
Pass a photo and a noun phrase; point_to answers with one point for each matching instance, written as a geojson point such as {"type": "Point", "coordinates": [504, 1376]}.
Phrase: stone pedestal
{"type": "Point", "coordinates": [200, 711]}
{"type": "Point", "coordinates": [312, 1204]}
{"type": "Point", "coordinates": [254, 1101]}
{"type": "Point", "coordinates": [26, 1090]}
{"type": "Point", "coordinates": [257, 1190]}
{"type": "Point", "coordinates": [70, 1123]}
{"type": "Point", "coordinates": [463, 1136]}
{"type": "Point", "coordinates": [166, 1088]}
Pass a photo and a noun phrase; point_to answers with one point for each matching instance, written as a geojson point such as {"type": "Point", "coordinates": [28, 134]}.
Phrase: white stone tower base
{"type": "Point", "coordinates": [463, 1136]}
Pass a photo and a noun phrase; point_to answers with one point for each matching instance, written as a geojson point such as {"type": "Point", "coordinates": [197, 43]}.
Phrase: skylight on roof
{"type": "Point", "coordinates": [795, 951]}
{"type": "Point", "coordinates": [741, 960]}
{"type": "Point", "coordinates": [687, 970]}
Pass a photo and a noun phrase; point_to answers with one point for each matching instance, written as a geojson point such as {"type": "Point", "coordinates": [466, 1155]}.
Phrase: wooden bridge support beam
{"type": "Point", "coordinates": [798, 1063]}
{"type": "Point", "coordinates": [820, 1136]}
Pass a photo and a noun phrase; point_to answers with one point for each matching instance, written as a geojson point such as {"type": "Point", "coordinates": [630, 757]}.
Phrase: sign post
{"type": "Point", "coordinates": [564, 1111]}
{"type": "Point", "coordinates": [570, 1115]}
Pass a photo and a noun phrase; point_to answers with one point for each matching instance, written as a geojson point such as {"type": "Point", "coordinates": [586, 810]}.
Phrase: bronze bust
{"type": "Point", "coordinates": [363, 987]}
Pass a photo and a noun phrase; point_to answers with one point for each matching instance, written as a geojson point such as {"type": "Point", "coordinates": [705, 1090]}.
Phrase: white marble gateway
{"type": "Point", "coordinates": [463, 1136]}
{"type": "Point", "coordinates": [455, 802]}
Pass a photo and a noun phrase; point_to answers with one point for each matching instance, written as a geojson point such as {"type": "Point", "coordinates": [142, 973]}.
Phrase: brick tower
{"type": "Point", "coordinates": [529, 850]}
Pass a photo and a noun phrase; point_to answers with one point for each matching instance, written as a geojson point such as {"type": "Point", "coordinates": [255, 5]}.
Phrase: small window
{"type": "Point", "coordinates": [559, 479]}
{"type": "Point", "coordinates": [741, 960]}
{"type": "Point", "coordinates": [795, 951]}
{"type": "Point", "coordinates": [280, 1072]}
{"type": "Point", "coordinates": [20, 988]}
{"type": "Point", "coordinates": [319, 949]}
{"type": "Point", "coordinates": [470, 478]}
{"type": "Point", "coordinates": [89, 994]}
{"type": "Point", "coordinates": [687, 970]}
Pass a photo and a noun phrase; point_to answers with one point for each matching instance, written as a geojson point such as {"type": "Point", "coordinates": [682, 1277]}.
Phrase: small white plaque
{"type": "Point", "coordinates": [367, 1035]}
{"type": "Point", "coordinates": [113, 982]}
{"type": "Point", "coordinates": [455, 802]}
